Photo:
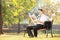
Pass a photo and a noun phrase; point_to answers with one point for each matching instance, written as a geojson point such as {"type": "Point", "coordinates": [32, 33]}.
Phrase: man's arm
{"type": "Point", "coordinates": [38, 21]}
{"type": "Point", "coordinates": [33, 18]}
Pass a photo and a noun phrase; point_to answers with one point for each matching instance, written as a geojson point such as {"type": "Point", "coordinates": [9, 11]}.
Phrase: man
{"type": "Point", "coordinates": [38, 23]}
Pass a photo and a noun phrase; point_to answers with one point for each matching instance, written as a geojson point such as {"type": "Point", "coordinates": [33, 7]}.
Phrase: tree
{"type": "Point", "coordinates": [1, 22]}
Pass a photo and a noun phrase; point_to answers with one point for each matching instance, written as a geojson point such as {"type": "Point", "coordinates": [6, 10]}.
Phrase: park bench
{"type": "Point", "coordinates": [47, 27]}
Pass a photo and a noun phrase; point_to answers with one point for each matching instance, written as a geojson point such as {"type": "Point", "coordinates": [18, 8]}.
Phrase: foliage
{"type": "Point", "coordinates": [15, 10]}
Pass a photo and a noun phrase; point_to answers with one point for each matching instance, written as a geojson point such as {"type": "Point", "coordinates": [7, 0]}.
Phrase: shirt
{"type": "Point", "coordinates": [43, 18]}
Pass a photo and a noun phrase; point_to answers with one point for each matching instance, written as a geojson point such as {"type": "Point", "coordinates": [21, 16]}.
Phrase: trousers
{"type": "Point", "coordinates": [35, 29]}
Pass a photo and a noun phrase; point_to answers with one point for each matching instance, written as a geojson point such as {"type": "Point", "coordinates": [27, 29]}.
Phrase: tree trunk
{"type": "Point", "coordinates": [1, 22]}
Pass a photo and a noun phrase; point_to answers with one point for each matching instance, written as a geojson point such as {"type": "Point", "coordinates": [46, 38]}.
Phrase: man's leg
{"type": "Point", "coordinates": [29, 31]}
{"type": "Point", "coordinates": [35, 32]}
{"type": "Point", "coordinates": [36, 28]}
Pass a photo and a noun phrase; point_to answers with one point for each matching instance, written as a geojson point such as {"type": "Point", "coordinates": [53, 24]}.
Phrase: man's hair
{"type": "Point", "coordinates": [40, 9]}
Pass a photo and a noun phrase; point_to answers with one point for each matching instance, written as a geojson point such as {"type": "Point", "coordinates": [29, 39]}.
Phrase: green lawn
{"type": "Point", "coordinates": [15, 36]}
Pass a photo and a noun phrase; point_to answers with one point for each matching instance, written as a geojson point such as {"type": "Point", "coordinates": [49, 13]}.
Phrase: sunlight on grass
{"type": "Point", "coordinates": [21, 37]}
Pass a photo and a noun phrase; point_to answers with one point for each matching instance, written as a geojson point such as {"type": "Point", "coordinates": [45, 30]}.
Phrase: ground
{"type": "Point", "coordinates": [20, 36]}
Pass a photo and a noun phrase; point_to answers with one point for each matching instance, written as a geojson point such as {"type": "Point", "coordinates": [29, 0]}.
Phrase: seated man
{"type": "Point", "coordinates": [38, 23]}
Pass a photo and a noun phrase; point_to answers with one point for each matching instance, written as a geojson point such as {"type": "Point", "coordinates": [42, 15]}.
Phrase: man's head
{"type": "Point", "coordinates": [40, 11]}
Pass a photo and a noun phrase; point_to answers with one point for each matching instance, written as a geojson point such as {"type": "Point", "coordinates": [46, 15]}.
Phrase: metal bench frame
{"type": "Point", "coordinates": [47, 27]}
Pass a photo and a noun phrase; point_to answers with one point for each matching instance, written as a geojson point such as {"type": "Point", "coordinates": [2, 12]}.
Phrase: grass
{"type": "Point", "coordinates": [15, 36]}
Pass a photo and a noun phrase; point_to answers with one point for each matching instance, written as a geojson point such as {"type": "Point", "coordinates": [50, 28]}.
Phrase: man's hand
{"type": "Point", "coordinates": [38, 21]}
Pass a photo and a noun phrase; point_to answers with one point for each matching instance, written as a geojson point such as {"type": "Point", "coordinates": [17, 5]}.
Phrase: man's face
{"type": "Point", "coordinates": [40, 12]}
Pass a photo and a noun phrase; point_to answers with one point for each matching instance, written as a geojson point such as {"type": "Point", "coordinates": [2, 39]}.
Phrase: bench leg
{"type": "Point", "coordinates": [51, 33]}
{"type": "Point", "coordinates": [25, 32]}
{"type": "Point", "coordinates": [46, 33]}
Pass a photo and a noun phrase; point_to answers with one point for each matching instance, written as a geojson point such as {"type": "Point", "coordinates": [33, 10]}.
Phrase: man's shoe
{"type": "Point", "coordinates": [31, 36]}
{"type": "Point", "coordinates": [35, 36]}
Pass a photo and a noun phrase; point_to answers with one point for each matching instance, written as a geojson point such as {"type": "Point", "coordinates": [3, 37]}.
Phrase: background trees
{"type": "Point", "coordinates": [15, 10]}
